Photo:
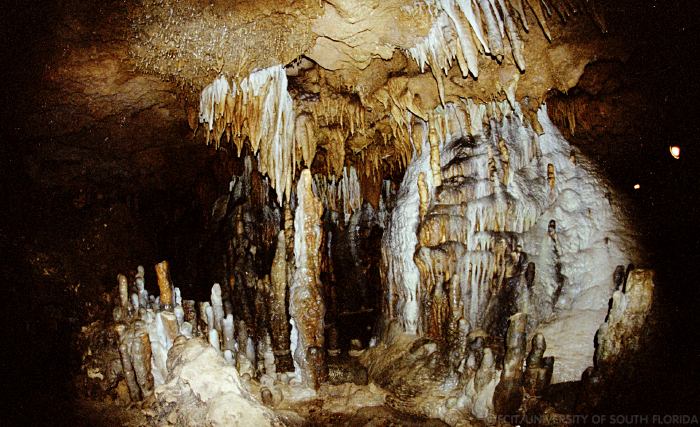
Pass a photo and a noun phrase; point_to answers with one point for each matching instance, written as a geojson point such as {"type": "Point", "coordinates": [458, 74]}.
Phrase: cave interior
{"type": "Point", "coordinates": [337, 212]}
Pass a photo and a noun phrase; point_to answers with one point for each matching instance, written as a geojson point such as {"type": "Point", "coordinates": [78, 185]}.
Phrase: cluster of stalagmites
{"type": "Point", "coordinates": [255, 338]}
{"type": "Point", "coordinates": [474, 374]}
{"type": "Point", "coordinates": [175, 350]}
{"type": "Point", "coordinates": [148, 326]}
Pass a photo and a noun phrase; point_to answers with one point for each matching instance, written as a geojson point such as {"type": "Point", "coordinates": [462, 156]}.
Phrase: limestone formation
{"type": "Point", "coordinates": [306, 305]}
{"type": "Point", "coordinates": [164, 284]}
{"type": "Point", "coordinates": [623, 328]}
{"type": "Point", "coordinates": [497, 232]}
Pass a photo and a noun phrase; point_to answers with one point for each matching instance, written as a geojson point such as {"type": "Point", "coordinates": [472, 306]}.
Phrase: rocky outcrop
{"type": "Point", "coordinates": [204, 388]}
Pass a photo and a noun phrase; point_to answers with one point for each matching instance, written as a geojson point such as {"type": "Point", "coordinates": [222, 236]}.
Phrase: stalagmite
{"type": "Point", "coordinates": [217, 308]}
{"type": "Point", "coordinates": [162, 331]}
{"type": "Point", "coordinates": [479, 390]}
{"type": "Point", "coordinates": [188, 307]}
{"type": "Point", "coordinates": [214, 339]}
{"type": "Point", "coordinates": [165, 285]}
{"type": "Point", "coordinates": [267, 357]}
{"type": "Point", "coordinates": [203, 319]}
{"type": "Point", "coordinates": [141, 357]}
{"type": "Point", "coordinates": [508, 394]}
{"type": "Point", "coordinates": [123, 293]}
{"type": "Point", "coordinates": [179, 315]}
{"type": "Point", "coordinates": [129, 374]}
{"type": "Point", "coordinates": [211, 322]}
{"type": "Point", "coordinates": [229, 337]}
{"type": "Point", "coordinates": [623, 329]}
{"type": "Point", "coordinates": [278, 309]}
{"type": "Point", "coordinates": [316, 362]}
{"type": "Point", "coordinates": [305, 301]}
{"type": "Point", "coordinates": [538, 369]}
{"type": "Point", "coordinates": [141, 287]}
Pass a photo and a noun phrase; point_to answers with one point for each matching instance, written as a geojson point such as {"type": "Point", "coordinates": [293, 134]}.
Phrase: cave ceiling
{"type": "Point", "coordinates": [120, 93]}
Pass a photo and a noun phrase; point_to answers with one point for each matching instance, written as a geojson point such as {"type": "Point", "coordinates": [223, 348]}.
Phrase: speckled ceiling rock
{"type": "Point", "coordinates": [352, 33]}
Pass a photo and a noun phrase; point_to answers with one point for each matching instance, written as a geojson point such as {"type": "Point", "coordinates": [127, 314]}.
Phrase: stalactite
{"type": "Point", "coordinates": [261, 109]}
{"type": "Point", "coordinates": [598, 18]}
{"type": "Point", "coordinates": [470, 13]}
{"type": "Point", "coordinates": [537, 10]}
{"type": "Point", "coordinates": [434, 155]}
{"type": "Point", "coordinates": [437, 50]}
{"type": "Point", "coordinates": [305, 136]}
{"type": "Point", "coordinates": [305, 301]}
{"type": "Point", "coordinates": [516, 44]}
{"type": "Point", "coordinates": [493, 33]}
{"type": "Point", "coordinates": [466, 56]}
{"type": "Point", "coordinates": [520, 10]}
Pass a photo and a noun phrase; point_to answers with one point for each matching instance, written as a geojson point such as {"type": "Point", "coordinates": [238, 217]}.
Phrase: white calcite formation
{"type": "Point", "coordinates": [622, 331]}
{"type": "Point", "coordinates": [306, 305]}
{"type": "Point", "coordinates": [260, 109]}
{"type": "Point", "coordinates": [148, 331]}
{"type": "Point", "coordinates": [400, 274]}
{"type": "Point", "coordinates": [496, 212]}
{"type": "Point", "coordinates": [207, 390]}
{"type": "Point", "coordinates": [462, 29]}
{"type": "Point", "coordinates": [340, 195]}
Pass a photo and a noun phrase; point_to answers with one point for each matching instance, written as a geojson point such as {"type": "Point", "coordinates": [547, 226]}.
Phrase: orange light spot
{"type": "Point", "coordinates": [637, 186]}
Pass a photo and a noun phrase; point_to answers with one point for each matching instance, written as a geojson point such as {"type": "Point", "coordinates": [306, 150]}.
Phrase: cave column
{"type": "Point", "coordinates": [278, 310]}
{"type": "Point", "coordinates": [306, 304]}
